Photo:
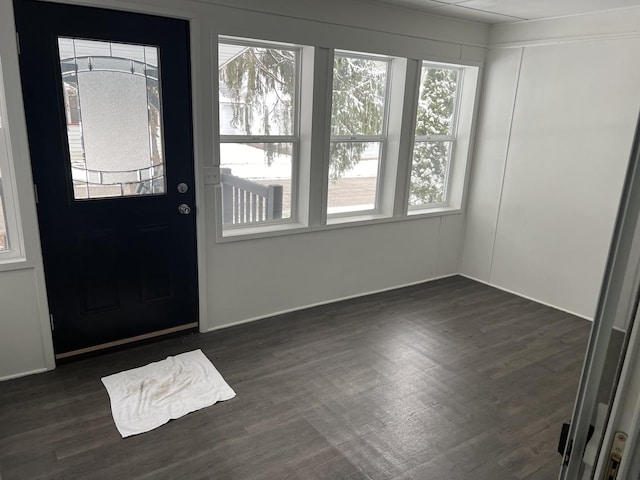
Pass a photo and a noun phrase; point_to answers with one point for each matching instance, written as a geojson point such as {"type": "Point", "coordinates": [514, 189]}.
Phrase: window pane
{"type": "Point", "coordinates": [4, 161]}
{"type": "Point", "coordinates": [114, 118]}
{"type": "Point", "coordinates": [256, 182]}
{"type": "Point", "coordinates": [256, 90]}
{"type": "Point", "coordinates": [436, 101]}
{"type": "Point", "coordinates": [353, 179]}
{"type": "Point", "coordinates": [4, 240]}
{"type": "Point", "coordinates": [359, 91]}
{"type": "Point", "coordinates": [429, 172]}
{"type": "Point", "coordinates": [4, 236]}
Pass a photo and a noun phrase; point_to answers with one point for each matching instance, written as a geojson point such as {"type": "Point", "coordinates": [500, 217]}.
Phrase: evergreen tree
{"type": "Point", "coordinates": [260, 84]}
{"type": "Point", "coordinates": [435, 117]}
{"type": "Point", "coordinates": [358, 108]}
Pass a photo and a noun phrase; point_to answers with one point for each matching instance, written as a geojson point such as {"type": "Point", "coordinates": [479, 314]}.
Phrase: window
{"type": "Point", "coordinates": [5, 183]}
{"type": "Point", "coordinates": [258, 102]}
{"type": "Point", "coordinates": [313, 138]}
{"type": "Point", "coordinates": [11, 242]}
{"type": "Point", "coordinates": [114, 118]}
{"type": "Point", "coordinates": [4, 238]}
{"type": "Point", "coordinates": [358, 131]}
{"type": "Point", "coordinates": [434, 136]}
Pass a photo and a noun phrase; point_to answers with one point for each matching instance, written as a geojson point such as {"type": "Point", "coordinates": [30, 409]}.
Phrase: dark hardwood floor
{"type": "Point", "coordinates": [447, 380]}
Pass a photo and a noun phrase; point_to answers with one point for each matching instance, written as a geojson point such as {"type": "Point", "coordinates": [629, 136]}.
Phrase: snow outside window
{"type": "Point", "coordinates": [258, 98]}
{"type": "Point", "coordinates": [434, 136]}
{"type": "Point", "coordinates": [358, 132]}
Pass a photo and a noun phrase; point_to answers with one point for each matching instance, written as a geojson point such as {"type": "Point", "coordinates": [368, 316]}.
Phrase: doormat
{"type": "Point", "coordinates": [147, 397]}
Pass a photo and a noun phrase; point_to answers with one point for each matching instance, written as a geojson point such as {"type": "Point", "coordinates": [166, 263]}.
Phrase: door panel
{"type": "Point", "coordinates": [108, 107]}
{"type": "Point", "coordinates": [97, 272]}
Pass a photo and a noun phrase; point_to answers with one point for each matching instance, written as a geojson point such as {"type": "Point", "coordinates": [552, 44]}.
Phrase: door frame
{"type": "Point", "coordinates": [618, 304]}
{"type": "Point", "coordinates": [202, 120]}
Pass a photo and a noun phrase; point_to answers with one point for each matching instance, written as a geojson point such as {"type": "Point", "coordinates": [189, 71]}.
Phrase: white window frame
{"type": "Point", "coordinates": [15, 242]}
{"type": "Point", "coordinates": [310, 165]}
{"type": "Point", "coordinates": [437, 138]}
{"type": "Point", "coordinates": [382, 138]}
{"type": "Point", "coordinates": [294, 138]}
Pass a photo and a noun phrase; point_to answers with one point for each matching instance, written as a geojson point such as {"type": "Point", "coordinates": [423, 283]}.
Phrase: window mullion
{"type": "Point", "coordinates": [320, 135]}
{"type": "Point", "coordinates": [407, 135]}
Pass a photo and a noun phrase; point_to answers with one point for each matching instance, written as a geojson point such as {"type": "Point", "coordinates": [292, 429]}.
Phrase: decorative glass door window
{"type": "Point", "coordinates": [114, 118]}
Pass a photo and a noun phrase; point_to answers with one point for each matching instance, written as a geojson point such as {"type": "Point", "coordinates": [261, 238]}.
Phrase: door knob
{"type": "Point", "coordinates": [184, 209]}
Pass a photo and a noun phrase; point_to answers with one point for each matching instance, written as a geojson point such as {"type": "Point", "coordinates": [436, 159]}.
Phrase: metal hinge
{"type": "Point", "coordinates": [18, 42]}
{"type": "Point", "coordinates": [51, 322]}
{"type": "Point", "coordinates": [567, 455]}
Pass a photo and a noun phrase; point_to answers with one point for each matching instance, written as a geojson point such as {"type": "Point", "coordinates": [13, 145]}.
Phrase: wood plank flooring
{"type": "Point", "coordinates": [448, 380]}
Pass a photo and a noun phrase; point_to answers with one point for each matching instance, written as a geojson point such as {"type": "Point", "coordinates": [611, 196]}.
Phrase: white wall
{"type": "Point", "coordinates": [25, 335]}
{"type": "Point", "coordinates": [22, 345]}
{"type": "Point", "coordinates": [254, 278]}
{"type": "Point", "coordinates": [556, 124]}
{"type": "Point", "coordinates": [273, 275]}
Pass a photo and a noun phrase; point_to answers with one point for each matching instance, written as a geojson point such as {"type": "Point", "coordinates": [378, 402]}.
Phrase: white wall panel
{"type": "Point", "coordinates": [492, 142]}
{"type": "Point", "coordinates": [572, 127]}
{"type": "Point", "coordinates": [370, 16]}
{"type": "Point", "coordinates": [572, 130]}
{"type": "Point", "coordinates": [256, 278]}
{"type": "Point", "coordinates": [450, 242]}
{"type": "Point", "coordinates": [21, 343]}
{"type": "Point", "coordinates": [25, 335]}
{"type": "Point", "coordinates": [613, 23]}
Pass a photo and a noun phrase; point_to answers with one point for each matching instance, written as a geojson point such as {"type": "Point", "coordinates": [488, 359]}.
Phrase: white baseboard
{"type": "Point", "coordinates": [546, 304]}
{"type": "Point", "coordinates": [23, 374]}
{"type": "Point", "coordinates": [327, 302]}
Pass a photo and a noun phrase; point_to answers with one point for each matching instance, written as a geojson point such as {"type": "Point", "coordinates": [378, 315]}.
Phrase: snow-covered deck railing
{"type": "Point", "coordinates": [244, 201]}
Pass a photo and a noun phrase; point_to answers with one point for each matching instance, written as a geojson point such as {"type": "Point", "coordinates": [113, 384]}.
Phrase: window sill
{"type": "Point", "coordinates": [9, 262]}
{"type": "Point", "coordinates": [357, 219]}
{"type": "Point", "coordinates": [251, 233]}
{"type": "Point", "coordinates": [429, 212]}
{"type": "Point", "coordinates": [247, 233]}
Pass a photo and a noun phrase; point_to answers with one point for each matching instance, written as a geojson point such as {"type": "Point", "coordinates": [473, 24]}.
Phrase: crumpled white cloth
{"type": "Point", "coordinates": [147, 397]}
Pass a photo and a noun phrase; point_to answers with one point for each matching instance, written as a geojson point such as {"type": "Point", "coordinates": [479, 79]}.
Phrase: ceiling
{"type": "Point", "coordinates": [501, 11]}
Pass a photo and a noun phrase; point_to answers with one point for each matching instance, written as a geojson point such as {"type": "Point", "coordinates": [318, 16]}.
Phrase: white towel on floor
{"type": "Point", "coordinates": [147, 397]}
